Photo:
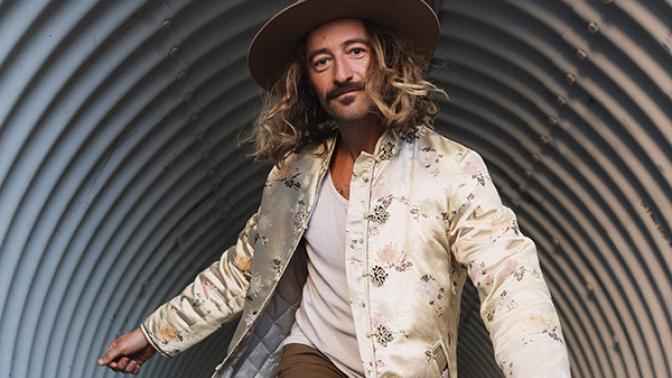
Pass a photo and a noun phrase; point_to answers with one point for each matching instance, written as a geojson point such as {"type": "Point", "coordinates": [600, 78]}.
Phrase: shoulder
{"type": "Point", "coordinates": [453, 152]}
{"type": "Point", "coordinates": [296, 166]}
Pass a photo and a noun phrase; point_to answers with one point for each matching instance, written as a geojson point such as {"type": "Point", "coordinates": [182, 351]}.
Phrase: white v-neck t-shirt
{"type": "Point", "coordinates": [324, 318]}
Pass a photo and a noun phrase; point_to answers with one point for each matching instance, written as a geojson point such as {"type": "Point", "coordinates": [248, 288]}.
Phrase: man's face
{"type": "Point", "coordinates": [338, 57]}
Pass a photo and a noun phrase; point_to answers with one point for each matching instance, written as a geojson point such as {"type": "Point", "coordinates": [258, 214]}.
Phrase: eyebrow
{"type": "Point", "coordinates": [344, 44]}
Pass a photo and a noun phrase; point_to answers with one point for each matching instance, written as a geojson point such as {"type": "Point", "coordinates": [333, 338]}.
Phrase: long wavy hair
{"type": "Point", "coordinates": [293, 119]}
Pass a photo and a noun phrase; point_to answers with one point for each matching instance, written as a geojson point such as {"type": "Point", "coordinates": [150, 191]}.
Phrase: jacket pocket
{"type": "Point", "coordinates": [440, 355]}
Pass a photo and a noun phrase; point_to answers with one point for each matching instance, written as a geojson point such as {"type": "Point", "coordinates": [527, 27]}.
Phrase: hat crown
{"type": "Point", "coordinates": [274, 45]}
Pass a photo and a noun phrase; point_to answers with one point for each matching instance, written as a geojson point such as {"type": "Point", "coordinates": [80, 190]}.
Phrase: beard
{"type": "Point", "coordinates": [347, 102]}
{"type": "Point", "coordinates": [350, 107]}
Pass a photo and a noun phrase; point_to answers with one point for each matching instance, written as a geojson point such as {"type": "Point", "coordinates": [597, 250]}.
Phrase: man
{"type": "Point", "coordinates": [369, 222]}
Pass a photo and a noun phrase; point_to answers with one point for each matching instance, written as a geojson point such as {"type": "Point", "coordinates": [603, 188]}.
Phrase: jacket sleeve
{"type": "Point", "coordinates": [516, 305]}
{"type": "Point", "coordinates": [215, 297]}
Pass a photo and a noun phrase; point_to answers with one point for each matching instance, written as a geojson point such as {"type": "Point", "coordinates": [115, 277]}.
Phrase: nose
{"type": "Point", "coordinates": [342, 71]}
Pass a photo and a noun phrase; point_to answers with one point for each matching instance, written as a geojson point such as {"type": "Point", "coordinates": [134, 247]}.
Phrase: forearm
{"type": "Point", "coordinates": [214, 297]}
{"type": "Point", "coordinates": [520, 315]}
{"type": "Point", "coordinates": [516, 305]}
{"type": "Point", "coordinates": [198, 311]}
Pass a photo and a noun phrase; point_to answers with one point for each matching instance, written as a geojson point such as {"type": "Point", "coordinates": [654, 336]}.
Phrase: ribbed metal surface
{"type": "Point", "coordinates": [120, 177]}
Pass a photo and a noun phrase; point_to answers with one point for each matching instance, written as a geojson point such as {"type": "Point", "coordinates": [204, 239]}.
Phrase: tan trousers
{"type": "Point", "coordinates": [299, 360]}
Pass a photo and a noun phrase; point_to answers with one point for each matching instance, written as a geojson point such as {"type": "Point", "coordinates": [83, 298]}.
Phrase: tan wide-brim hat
{"type": "Point", "coordinates": [274, 45]}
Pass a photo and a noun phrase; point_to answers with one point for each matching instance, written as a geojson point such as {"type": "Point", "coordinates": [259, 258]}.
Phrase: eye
{"type": "Point", "coordinates": [320, 62]}
{"type": "Point", "coordinates": [357, 51]}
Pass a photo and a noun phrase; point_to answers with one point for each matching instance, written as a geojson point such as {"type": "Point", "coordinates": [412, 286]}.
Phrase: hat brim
{"type": "Point", "coordinates": [274, 45]}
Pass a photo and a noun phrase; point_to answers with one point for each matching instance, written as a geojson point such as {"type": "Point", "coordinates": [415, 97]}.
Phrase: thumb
{"type": "Point", "coordinates": [111, 353]}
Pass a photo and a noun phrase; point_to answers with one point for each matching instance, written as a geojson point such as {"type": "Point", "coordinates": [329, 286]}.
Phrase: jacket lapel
{"type": "Point", "coordinates": [288, 199]}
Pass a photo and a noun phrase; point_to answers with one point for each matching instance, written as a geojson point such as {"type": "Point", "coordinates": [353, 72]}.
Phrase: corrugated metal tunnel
{"type": "Point", "coordinates": [120, 177]}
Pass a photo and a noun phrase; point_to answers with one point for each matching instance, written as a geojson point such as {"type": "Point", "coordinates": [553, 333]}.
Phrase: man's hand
{"type": "Point", "coordinates": [128, 352]}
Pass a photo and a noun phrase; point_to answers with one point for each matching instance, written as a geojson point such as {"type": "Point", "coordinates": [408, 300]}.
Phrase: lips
{"type": "Point", "coordinates": [343, 94]}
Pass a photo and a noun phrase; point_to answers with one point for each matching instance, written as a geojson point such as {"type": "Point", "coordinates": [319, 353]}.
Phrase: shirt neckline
{"type": "Point", "coordinates": [338, 195]}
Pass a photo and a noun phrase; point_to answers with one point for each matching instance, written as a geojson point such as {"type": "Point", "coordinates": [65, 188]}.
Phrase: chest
{"type": "Point", "coordinates": [325, 236]}
{"type": "Point", "coordinates": [341, 167]}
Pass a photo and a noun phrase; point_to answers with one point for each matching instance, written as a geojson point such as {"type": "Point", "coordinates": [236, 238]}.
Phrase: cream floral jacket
{"type": "Point", "coordinates": [423, 214]}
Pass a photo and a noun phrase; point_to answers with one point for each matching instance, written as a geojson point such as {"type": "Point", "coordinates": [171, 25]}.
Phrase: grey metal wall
{"type": "Point", "coordinates": [120, 177]}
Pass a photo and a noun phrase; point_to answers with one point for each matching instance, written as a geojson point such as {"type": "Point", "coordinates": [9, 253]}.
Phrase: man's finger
{"type": "Point", "coordinates": [131, 366]}
{"type": "Point", "coordinates": [123, 362]}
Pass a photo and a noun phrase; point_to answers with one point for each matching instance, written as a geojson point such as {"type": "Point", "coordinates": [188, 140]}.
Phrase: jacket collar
{"type": "Point", "coordinates": [387, 146]}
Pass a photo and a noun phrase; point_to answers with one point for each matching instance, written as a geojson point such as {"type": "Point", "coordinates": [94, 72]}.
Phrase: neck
{"type": "Point", "coordinates": [359, 136]}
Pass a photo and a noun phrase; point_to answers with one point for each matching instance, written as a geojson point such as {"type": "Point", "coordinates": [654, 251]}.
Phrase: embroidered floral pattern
{"type": "Point", "coordinates": [383, 335]}
{"type": "Point", "coordinates": [300, 217]}
{"type": "Point", "coordinates": [264, 224]}
{"type": "Point", "coordinates": [538, 322]}
{"type": "Point", "coordinates": [198, 301]}
{"type": "Point", "coordinates": [255, 288]}
{"type": "Point", "coordinates": [520, 273]}
{"type": "Point", "coordinates": [259, 237]}
{"type": "Point", "coordinates": [490, 315]}
{"type": "Point", "coordinates": [473, 169]}
{"type": "Point", "coordinates": [243, 263]}
{"type": "Point", "coordinates": [385, 152]}
{"type": "Point", "coordinates": [409, 135]}
{"type": "Point", "coordinates": [430, 289]}
{"type": "Point", "coordinates": [477, 271]}
{"type": "Point", "coordinates": [509, 268]}
{"type": "Point", "coordinates": [380, 214]}
{"type": "Point", "coordinates": [167, 333]}
{"type": "Point", "coordinates": [429, 355]}
{"type": "Point", "coordinates": [430, 159]}
{"type": "Point", "coordinates": [353, 245]}
{"type": "Point", "coordinates": [249, 318]}
{"type": "Point", "coordinates": [289, 179]}
{"type": "Point", "coordinates": [433, 224]}
{"type": "Point", "coordinates": [277, 268]}
{"type": "Point", "coordinates": [421, 209]}
{"type": "Point", "coordinates": [390, 256]}
{"type": "Point", "coordinates": [378, 275]}
{"type": "Point", "coordinates": [206, 286]}
{"type": "Point", "coordinates": [378, 318]}
{"type": "Point", "coordinates": [300, 213]}
{"type": "Point", "coordinates": [507, 368]}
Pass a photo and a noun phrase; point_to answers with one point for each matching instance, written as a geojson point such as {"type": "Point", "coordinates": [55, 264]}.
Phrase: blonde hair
{"type": "Point", "coordinates": [292, 117]}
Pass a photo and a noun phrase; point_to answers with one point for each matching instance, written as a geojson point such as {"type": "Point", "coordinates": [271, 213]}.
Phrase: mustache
{"type": "Point", "coordinates": [345, 88]}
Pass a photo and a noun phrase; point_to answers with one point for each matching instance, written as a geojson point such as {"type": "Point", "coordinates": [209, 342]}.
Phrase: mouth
{"type": "Point", "coordinates": [346, 89]}
{"type": "Point", "coordinates": [354, 92]}
{"type": "Point", "coordinates": [346, 93]}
